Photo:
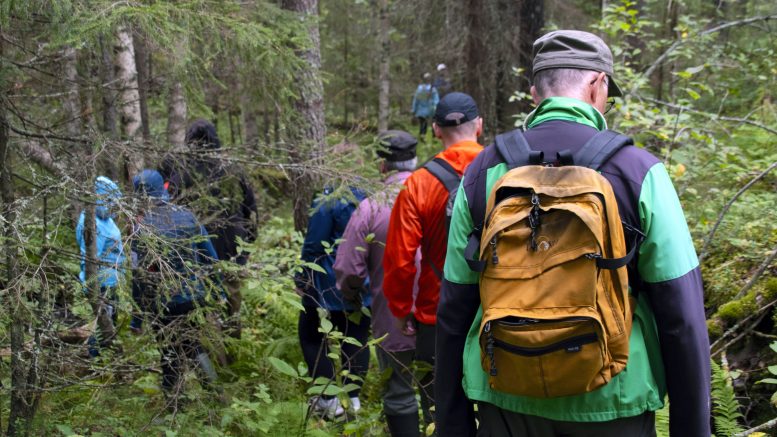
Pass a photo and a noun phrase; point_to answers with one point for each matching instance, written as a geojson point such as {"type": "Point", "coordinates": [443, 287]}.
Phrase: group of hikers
{"type": "Point", "coordinates": [546, 285]}
{"type": "Point", "coordinates": [193, 212]}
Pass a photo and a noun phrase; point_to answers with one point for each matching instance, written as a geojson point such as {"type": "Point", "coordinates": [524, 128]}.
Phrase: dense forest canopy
{"type": "Point", "coordinates": [94, 87]}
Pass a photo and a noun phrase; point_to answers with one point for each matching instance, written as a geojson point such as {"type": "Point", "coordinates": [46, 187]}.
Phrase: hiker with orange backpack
{"type": "Point", "coordinates": [558, 318]}
{"type": "Point", "coordinates": [419, 220]}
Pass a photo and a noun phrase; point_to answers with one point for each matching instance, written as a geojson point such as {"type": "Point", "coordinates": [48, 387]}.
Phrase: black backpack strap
{"type": "Point", "coordinates": [616, 263]}
{"type": "Point", "coordinates": [515, 151]}
{"type": "Point", "coordinates": [444, 172]}
{"type": "Point", "coordinates": [600, 148]}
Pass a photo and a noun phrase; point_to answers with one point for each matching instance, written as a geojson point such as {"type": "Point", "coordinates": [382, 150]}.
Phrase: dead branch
{"type": "Point", "coordinates": [725, 209]}
{"type": "Point", "coordinates": [760, 312]}
{"type": "Point", "coordinates": [761, 269]}
{"type": "Point", "coordinates": [660, 60]}
{"type": "Point", "coordinates": [42, 157]}
{"type": "Point", "coordinates": [766, 425]}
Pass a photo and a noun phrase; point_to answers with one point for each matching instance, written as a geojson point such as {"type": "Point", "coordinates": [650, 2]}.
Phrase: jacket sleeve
{"type": "Point", "coordinates": [351, 261]}
{"type": "Point", "coordinates": [81, 243]}
{"type": "Point", "coordinates": [402, 243]}
{"type": "Point", "coordinates": [206, 252]}
{"type": "Point", "coordinates": [320, 228]}
{"type": "Point", "coordinates": [459, 302]}
{"type": "Point", "coordinates": [669, 269]}
{"type": "Point", "coordinates": [435, 98]}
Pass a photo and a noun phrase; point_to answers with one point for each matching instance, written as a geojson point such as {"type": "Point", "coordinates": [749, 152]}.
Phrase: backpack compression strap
{"type": "Point", "coordinates": [444, 172]}
{"type": "Point", "coordinates": [600, 148]}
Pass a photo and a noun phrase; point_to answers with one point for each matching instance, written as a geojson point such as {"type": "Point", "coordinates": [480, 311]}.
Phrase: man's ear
{"type": "Point", "coordinates": [437, 131]}
{"type": "Point", "coordinates": [535, 96]}
{"type": "Point", "coordinates": [479, 130]}
{"type": "Point", "coordinates": [595, 91]}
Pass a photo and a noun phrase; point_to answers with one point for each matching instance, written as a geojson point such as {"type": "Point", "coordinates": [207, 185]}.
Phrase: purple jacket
{"type": "Point", "coordinates": [360, 255]}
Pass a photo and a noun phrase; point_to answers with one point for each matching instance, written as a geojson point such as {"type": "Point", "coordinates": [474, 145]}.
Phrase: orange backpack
{"type": "Point", "coordinates": [553, 285]}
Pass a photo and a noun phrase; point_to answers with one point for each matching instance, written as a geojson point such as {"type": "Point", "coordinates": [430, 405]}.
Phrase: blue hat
{"type": "Point", "coordinates": [150, 183]}
{"type": "Point", "coordinates": [455, 109]}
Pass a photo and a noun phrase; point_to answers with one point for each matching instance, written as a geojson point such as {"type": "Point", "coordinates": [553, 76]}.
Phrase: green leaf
{"type": "Point", "coordinates": [328, 390]}
{"type": "Point", "coordinates": [773, 370]}
{"type": "Point", "coordinates": [326, 326]}
{"type": "Point", "coordinates": [694, 95]}
{"type": "Point", "coordinates": [315, 267]}
{"type": "Point", "coordinates": [767, 381]}
{"type": "Point", "coordinates": [283, 367]}
{"type": "Point", "coordinates": [353, 341]}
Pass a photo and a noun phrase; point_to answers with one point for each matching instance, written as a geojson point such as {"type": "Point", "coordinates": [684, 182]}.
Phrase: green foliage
{"type": "Point", "coordinates": [725, 407]}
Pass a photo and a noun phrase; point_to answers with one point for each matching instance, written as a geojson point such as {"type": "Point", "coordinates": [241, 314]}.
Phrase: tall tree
{"type": "Point", "coordinates": [307, 131]}
{"type": "Point", "coordinates": [384, 65]}
{"type": "Point", "coordinates": [176, 115]}
{"type": "Point", "coordinates": [129, 99]}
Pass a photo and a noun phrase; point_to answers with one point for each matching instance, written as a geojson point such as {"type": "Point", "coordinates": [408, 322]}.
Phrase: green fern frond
{"type": "Point", "coordinates": [725, 407]}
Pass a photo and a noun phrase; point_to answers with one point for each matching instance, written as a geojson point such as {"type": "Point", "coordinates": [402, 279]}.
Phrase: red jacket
{"type": "Point", "coordinates": [418, 220]}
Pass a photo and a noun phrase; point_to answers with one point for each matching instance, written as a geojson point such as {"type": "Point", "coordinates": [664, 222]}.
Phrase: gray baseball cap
{"type": "Point", "coordinates": [574, 49]}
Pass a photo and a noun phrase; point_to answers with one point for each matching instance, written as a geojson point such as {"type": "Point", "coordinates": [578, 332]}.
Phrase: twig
{"type": "Point", "coordinates": [660, 60]}
{"type": "Point", "coordinates": [761, 269]}
{"type": "Point", "coordinates": [723, 212]}
{"type": "Point", "coordinates": [739, 324]}
{"type": "Point", "coordinates": [766, 425]}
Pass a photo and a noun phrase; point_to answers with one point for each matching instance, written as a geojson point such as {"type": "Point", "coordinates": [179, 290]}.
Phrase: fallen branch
{"type": "Point", "coordinates": [660, 60]}
{"type": "Point", "coordinates": [766, 425]}
{"type": "Point", "coordinates": [758, 313]}
{"type": "Point", "coordinates": [722, 214]}
{"type": "Point", "coordinates": [761, 269]}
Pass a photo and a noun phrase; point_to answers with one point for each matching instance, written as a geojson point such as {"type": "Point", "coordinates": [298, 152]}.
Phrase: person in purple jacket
{"type": "Point", "coordinates": [360, 256]}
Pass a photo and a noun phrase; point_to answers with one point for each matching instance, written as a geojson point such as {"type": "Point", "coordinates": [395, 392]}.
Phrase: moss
{"type": "Point", "coordinates": [770, 289]}
{"type": "Point", "coordinates": [738, 309]}
{"type": "Point", "coordinates": [715, 328]}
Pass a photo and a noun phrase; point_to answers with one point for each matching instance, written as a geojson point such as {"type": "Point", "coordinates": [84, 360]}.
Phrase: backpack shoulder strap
{"type": "Point", "coordinates": [444, 172]}
{"type": "Point", "coordinates": [515, 151]}
{"type": "Point", "coordinates": [600, 148]}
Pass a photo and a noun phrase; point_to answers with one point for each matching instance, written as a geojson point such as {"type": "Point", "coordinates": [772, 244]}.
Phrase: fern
{"type": "Point", "coordinates": [725, 407]}
{"type": "Point", "coordinates": [662, 421]}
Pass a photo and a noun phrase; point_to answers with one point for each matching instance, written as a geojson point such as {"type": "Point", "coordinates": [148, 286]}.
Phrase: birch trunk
{"type": "Point", "coordinates": [128, 100]}
{"type": "Point", "coordinates": [385, 49]}
{"type": "Point", "coordinates": [308, 130]}
{"type": "Point", "coordinates": [176, 116]}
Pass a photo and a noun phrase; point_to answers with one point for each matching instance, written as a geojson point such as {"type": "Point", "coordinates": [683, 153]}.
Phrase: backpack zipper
{"type": "Point", "coordinates": [490, 348]}
{"type": "Point", "coordinates": [572, 344]}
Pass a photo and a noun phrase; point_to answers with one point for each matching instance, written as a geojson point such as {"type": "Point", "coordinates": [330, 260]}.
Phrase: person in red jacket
{"type": "Point", "coordinates": [418, 219]}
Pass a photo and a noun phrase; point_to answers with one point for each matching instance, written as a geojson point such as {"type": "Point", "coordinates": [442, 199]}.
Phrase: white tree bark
{"type": "Point", "coordinates": [176, 116]}
{"type": "Point", "coordinates": [129, 98]}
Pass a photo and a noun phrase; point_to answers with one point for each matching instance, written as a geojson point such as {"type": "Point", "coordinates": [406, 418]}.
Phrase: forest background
{"type": "Point", "coordinates": [90, 87]}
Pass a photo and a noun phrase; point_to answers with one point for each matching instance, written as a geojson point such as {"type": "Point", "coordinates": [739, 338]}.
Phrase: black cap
{"type": "Point", "coordinates": [396, 145]}
{"type": "Point", "coordinates": [454, 109]}
{"type": "Point", "coordinates": [574, 49]}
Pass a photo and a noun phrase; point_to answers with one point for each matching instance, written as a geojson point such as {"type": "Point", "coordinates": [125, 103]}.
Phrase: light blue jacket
{"type": "Point", "coordinates": [425, 100]}
{"type": "Point", "coordinates": [110, 252]}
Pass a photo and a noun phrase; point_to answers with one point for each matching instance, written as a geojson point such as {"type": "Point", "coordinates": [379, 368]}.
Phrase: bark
{"type": "Point", "coordinates": [176, 116]}
{"type": "Point", "coordinates": [21, 404]}
{"type": "Point", "coordinates": [128, 99]}
{"type": "Point", "coordinates": [475, 52]}
{"type": "Point", "coordinates": [250, 117]}
{"type": "Point", "coordinates": [383, 75]}
{"type": "Point", "coordinates": [109, 112]}
{"type": "Point", "coordinates": [532, 20]}
{"type": "Point", "coordinates": [308, 130]}
{"type": "Point", "coordinates": [39, 155]}
{"type": "Point", "coordinates": [142, 60]}
{"type": "Point", "coordinates": [71, 104]}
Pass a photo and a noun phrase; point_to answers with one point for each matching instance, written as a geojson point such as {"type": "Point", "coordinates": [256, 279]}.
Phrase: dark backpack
{"type": "Point", "coordinates": [450, 179]}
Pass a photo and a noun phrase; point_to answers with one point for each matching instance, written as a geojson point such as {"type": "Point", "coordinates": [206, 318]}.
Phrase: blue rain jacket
{"type": "Point", "coordinates": [327, 224]}
{"type": "Point", "coordinates": [110, 252]}
{"type": "Point", "coordinates": [425, 100]}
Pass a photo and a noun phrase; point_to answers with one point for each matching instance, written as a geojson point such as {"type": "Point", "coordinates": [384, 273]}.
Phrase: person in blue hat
{"type": "Point", "coordinates": [171, 257]}
{"type": "Point", "coordinates": [110, 252]}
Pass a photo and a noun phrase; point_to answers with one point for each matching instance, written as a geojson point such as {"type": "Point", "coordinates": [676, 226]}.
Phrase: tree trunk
{"type": "Point", "coordinates": [250, 116]}
{"type": "Point", "coordinates": [308, 130]}
{"type": "Point", "coordinates": [385, 56]}
{"type": "Point", "coordinates": [141, 63]}
{"type": "Point", "coordinates": [532, 16]}
{"type": "Point", "coordinates": [129, 100]}
{"type": "Point", "coordinates": [109, 113]}
{"type": "Point", "coordinates": [176, 116]}
{"type": "Point", "coordinates": [72, 103]}
{"type": "Point", "coordinates": [21, 406]}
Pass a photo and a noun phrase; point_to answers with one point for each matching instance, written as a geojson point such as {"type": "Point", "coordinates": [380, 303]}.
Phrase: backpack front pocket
{"type": "Point", "coordinates": [543, 357]}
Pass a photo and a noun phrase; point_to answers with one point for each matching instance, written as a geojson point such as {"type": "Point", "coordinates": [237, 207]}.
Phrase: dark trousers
{"type": "Point", "coordinates": [178, 340]}
{"type": "Point", "coordinates": [424, 352]}
{"type": "Point", "coordinates": [423, 124]}
{"type": "Point", "coordinates": [315, 348]}
{"type": "Point", "coordinates": [496, 422]}
{"type": "Point", "coordinates": [398, 394]}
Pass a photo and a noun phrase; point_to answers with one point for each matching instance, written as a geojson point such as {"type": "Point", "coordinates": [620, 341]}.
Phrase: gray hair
{"type": "Point", "coordinates": [559, 81]}
{"type": "Point", "coordinates": [408, 165]}
{"type": "Point", "coordinates": [467, 129]}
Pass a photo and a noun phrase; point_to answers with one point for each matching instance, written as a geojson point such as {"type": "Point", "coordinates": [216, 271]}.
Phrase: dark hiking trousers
{"type": "Point", "coordinates": [179, 339]}
{"type": "Point", "coordinates": [424, 352]}
{"type": "Point", "coordinates": [315, 348]}
{"type": "Point", "coordinates": [496, 422]}
{"type": "Point", "coordinates": [399, 392]}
